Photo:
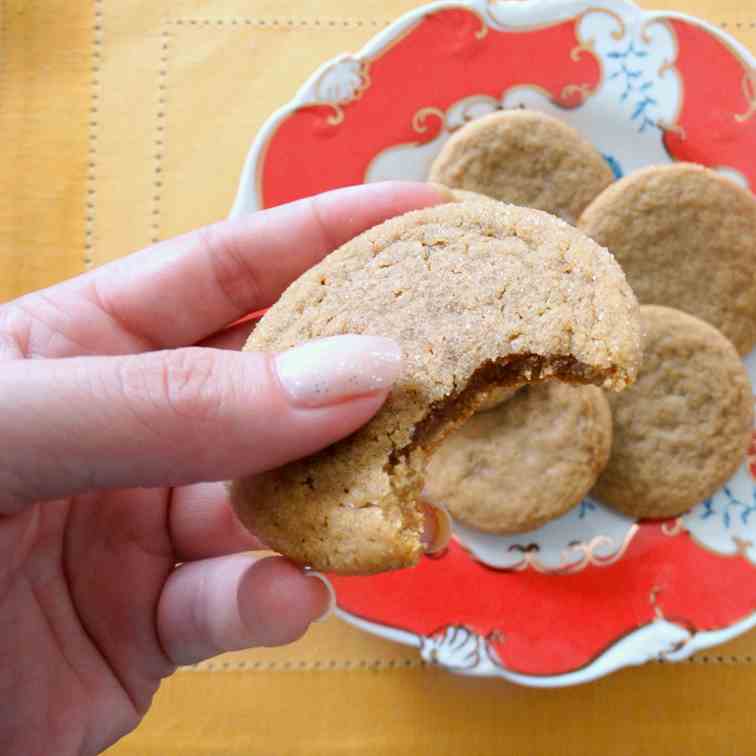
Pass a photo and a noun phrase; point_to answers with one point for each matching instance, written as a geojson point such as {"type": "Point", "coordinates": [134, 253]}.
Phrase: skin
{"type": "Point", "coordinates": [121, 395]}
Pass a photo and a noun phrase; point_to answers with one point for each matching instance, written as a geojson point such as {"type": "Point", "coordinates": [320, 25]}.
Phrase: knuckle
{"type": "Point", "coordinates": [234, 274]}
{"type": "Point", "coordinates": [192, 384]}
{"type": "Point", "coordinates": [15, 331]}
{"type": "Point", "coordinates": [188, 381]}
{"type": "Point", "coordinates": [323, 229]}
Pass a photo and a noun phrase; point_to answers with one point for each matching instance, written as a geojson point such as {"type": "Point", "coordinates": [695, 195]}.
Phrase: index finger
{"type": "Point", "coordinates": [181, 291]}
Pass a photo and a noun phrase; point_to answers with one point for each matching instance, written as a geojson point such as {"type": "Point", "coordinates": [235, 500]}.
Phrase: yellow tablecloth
{"type": "Point", "coordinates": [128, 120]}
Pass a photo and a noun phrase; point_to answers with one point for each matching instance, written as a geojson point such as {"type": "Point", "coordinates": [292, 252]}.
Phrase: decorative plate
{"type": "Point", "coordinates": [593, 591]}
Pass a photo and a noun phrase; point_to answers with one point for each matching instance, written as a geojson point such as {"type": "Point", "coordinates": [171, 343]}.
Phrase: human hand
{"type": "Point", "coordinates": [111, 424]}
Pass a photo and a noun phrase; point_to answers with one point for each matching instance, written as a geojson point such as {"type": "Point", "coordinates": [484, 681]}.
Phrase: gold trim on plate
{"type": "Point", "coordinates": [587, 550]}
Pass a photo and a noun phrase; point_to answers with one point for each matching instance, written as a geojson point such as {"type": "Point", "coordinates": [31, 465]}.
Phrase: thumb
{"type": "Point", "coordinates": [181, 416]}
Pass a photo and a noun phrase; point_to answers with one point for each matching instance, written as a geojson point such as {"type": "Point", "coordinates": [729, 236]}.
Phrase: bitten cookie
{"type": "Point", "coordinates": [526, 158]}
{"type": "Point", "coordinates": [683, 429]}
{"type": "Point", "coordinates": [686, 238]}
{"type": "Point", "coordinates": [477, 295]}
{"type": "Point", "coordinates": [526, 462]}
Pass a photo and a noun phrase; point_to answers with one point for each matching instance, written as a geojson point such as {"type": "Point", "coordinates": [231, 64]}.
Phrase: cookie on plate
{"type": "Point", "coordinates": [477, 295]}
{"type": "Point", "coordinates": [686, 238]}
{"type": "Point", "coordinates": [528, 461]}
{"type": "Point", "coordinates": [524, 158]}
{"type": "Point", "coordinates": [683, 429]}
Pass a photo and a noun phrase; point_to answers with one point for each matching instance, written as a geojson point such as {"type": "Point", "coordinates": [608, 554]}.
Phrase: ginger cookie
{"type": "Point", "coordinates": [477, 295]}
{"type": "Point", "coordinates": [686, 238]}
{"type": "Point", "coordinates": [524, 158]}
{"type": "Point", "coordinates": [683, 429]}
{"type": "Point", "coordinates": [526, 462]}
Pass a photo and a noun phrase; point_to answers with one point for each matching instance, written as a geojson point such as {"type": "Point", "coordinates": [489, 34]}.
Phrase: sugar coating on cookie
{"type": "Point", "coordinates": [477, 295]}
{"type": "Point", "coordinates": [528, 461]}
{"type": "Point", "coordinates": [686, 238]}
{"type": "Point", "coordinates": [525, 158]}
{"type": "Point", "coordinates": [683, 429]}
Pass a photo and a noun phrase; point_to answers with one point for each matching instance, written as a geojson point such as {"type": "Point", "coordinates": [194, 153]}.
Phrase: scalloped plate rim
{"type": "Point", "coordinates": [593, 670]}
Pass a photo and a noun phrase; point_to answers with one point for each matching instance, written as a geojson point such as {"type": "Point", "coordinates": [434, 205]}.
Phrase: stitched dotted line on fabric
{"type": "Point", "coordinates": [353, 23]}
{"type": "Point", "coordinates": [738, 24]}
{"type": "Point", "coordinates": [159, 143]}
{"type": "Point", "coordinates": [375, 665]}
{"type": "Point", "coordinates": [3, 47]}
{"type": "Point", "coordinates": [94, 110]}
{"type": "Point", "coordinates": [162, 95]}
{"type": "Point", "coordinates": [722, 660]}
{"type": "Point", "coordinates": [389, 664]}
{"type": "Point", "coordinates": [272, 23]}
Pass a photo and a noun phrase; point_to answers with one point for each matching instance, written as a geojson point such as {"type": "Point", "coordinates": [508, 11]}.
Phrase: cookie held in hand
{"type": "Point", "coordinates": [477, 295]}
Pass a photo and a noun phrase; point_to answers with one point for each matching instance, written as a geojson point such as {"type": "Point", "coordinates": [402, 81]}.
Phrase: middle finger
{"type": "Point", "coordinates": [202, 524]}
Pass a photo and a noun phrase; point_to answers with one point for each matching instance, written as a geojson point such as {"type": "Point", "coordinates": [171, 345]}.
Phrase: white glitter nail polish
{"type": "Point", "coordinates": [331, 370]}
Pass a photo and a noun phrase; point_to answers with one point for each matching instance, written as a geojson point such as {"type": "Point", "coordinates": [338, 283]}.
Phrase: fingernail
{"type": "Point", "coordinates": [438, 527]}
{"type": "Point", "coordinates": [446, 194]}
{"type": "Point", "coordinates": [331, 594]}
{"type": "Point", "coordinates": [331, 370]}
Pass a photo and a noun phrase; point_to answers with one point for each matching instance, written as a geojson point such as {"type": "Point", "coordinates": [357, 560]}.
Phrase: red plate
{"type": "Point", "coordinates": [592, 591]}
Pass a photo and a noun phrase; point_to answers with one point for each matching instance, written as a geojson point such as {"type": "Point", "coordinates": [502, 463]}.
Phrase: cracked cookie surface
{"type": "Point", "coordinates": [477, 295]}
